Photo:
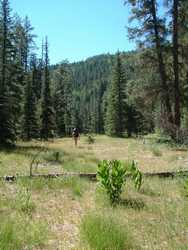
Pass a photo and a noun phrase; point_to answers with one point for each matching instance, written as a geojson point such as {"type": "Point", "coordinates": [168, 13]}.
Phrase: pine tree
{"type": "Point", "coordinates": [24, 42]}
{"type": "Point", "coordinates": [31, 126]}
{"type": "Point", "coordinates": [63, 100]}
{"type": "Point", "coordinates": [59, 101]}
{"type": "Point", "coordinates": [68, 100]}
{"type": "Point", "coordinates": [48, 122]}
{"type": "Point", "coordinates": [116, 107]}
{"type": "Point", "coordinates": [7, 104]}
{"type": "Point", "coordinates": [152, 33]}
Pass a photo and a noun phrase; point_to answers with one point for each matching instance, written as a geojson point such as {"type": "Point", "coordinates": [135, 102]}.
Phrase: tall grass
{"type": "Point", "coordinates": [102, 232]}
{"type": "Point", "coordinates": [23, 202]}
{"type": "Point", "coordinates": [20, 233]}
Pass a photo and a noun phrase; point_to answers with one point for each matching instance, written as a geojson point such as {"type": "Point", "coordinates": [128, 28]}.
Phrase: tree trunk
{"type": "Point", "coordinates": [177, 112]}
{"type": "Point", "coordinates": [162, 70]}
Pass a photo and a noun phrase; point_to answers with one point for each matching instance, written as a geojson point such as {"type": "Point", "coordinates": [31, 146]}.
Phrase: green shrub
{"type": "Point", "coordinates": [133, 171]}
{"type": "Point", "coordinates": [112, 176]}
{"type": "Point", "coordinates": [90, 139]}
{"type": "Point", "coordinates": [104, 233]}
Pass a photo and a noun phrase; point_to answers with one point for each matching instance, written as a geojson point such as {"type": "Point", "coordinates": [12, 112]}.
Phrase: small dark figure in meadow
{"type": "Point", "coordinates": [75, 135]}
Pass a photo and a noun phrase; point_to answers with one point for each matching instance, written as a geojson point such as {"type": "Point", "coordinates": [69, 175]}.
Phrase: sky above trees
{"type": "Point", "coordinates": [78, 29]}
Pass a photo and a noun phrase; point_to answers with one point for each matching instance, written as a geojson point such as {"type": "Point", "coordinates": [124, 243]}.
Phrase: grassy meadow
{"type": "Point", "coordinates": [73, 213]}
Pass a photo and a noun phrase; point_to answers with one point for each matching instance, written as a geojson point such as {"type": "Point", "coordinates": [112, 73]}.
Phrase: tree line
{"type": "Point", "coordinates": [26, 108]}
{"type": "Point", "coordinates": [124, 94]}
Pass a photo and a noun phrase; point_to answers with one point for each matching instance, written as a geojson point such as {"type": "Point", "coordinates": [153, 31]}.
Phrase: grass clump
{"type": "Point", "coordinates": [20, 233]}
{"type": "Point", "coordinates": [156, 151]}
{"type": "Point", "coordinates": [104, 232]}
{"type": "Point", "coordinates": [23, 202]}
{"type": "Point", "coordinates": [186, 187]}
{"type": "Point", "coordinates": [77, 185]}
{"type": "Point", "coordinates": [9, 239]}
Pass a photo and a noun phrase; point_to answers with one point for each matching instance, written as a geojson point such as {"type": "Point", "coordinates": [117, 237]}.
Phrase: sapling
{"type": "Point", "coordinates": [112, 176]}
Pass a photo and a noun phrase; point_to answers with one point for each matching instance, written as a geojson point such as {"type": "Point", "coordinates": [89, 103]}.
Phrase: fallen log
{"type": "Point", "coordinates": [92, 176]}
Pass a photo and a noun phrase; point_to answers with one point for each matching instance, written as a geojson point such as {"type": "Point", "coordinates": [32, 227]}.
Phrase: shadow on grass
{"type": "Point", "coordinates": [21, 149]}
{"type": "Point", "coordinates": [136, 204]}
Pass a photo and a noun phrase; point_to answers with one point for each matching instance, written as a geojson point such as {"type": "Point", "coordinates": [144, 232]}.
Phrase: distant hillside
{"type": "Point", "coordinates": [90, 84]}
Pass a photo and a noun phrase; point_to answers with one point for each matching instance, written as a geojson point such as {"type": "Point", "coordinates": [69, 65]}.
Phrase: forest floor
{"type": "Point", "coordinates": [49, 213]}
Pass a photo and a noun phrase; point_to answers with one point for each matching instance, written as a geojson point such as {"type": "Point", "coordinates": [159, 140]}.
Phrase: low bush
{"type": "Point", "coordinates": [112, 176]}
{"type": "Point", "coordinates": [90, 139]}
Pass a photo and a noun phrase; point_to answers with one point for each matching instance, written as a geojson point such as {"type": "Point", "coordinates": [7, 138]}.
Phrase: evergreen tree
{"type": "Point", "coordinates": [30, 120]}
{"type": "Point", "coordinates": [47, 117]}
{"type": "Point", "coordinates": [31, 126]}
{"type": "Point", "coordinates": [152, 33]}
{"type": "Point", "coordinates": [7, 126]}
{"type": "Point", "coordinates": [116, 107]}
{"type": "Point", "coordinates": [63, 100]}
{"type": "Point", "coordinates": [24, 42]}
{"type": "Point", "coordinates": [68, 100]}
{"type": "Point", "coordinates": [59, 101]}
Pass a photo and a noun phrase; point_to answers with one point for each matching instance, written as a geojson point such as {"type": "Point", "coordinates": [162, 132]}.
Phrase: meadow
{"type": "Point", "coordinates": [74, 213]}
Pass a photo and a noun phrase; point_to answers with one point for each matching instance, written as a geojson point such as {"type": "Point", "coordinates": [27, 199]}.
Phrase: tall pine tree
{"type": "Point", "coordinates": [7, 50]}
{"type": "Point", "coordinates": [63, 100]}
{"type": "Point", "coordinates": [116, 106]}
{"type": "Point", "coordinates": [48, 122]}
{"type": "Point", "coordinates": [31, 126]}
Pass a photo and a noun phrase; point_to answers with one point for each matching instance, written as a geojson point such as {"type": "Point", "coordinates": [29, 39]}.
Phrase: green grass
{"type": "Point", "coordinates": [61, 155]}
{"type": "Point", "coordinates": [17, 233]}
{"type": "Point", "coordinates": [156, 216]}
{"type": "Point", "coordinates": [102, 232]}
{"type": "Point", "coordinates": [23, 202]}
{"type": "Point", "coordinates": [47, 213]}
{"type": "Point", "coordinates": [75, 184]}
{"type": "Point", "coordinates": [17, 228]}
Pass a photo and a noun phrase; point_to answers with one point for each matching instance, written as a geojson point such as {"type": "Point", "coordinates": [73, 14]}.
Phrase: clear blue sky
{"type": "Point", "coordinates": [77, 29]}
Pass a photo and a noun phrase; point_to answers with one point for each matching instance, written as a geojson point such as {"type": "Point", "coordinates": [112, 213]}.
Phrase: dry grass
{"type": "Point", "coordinates": [151, 156]}
{"type": "Point", "coordinates": [156, 217]}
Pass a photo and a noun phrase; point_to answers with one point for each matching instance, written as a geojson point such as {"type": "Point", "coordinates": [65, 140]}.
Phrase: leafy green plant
{"type": "Point", "coordinates": [102, 232]}
{"type": "Point", "coordinates": [112, 176]}
{"type": "Point", "coordinates": [133, 171]}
